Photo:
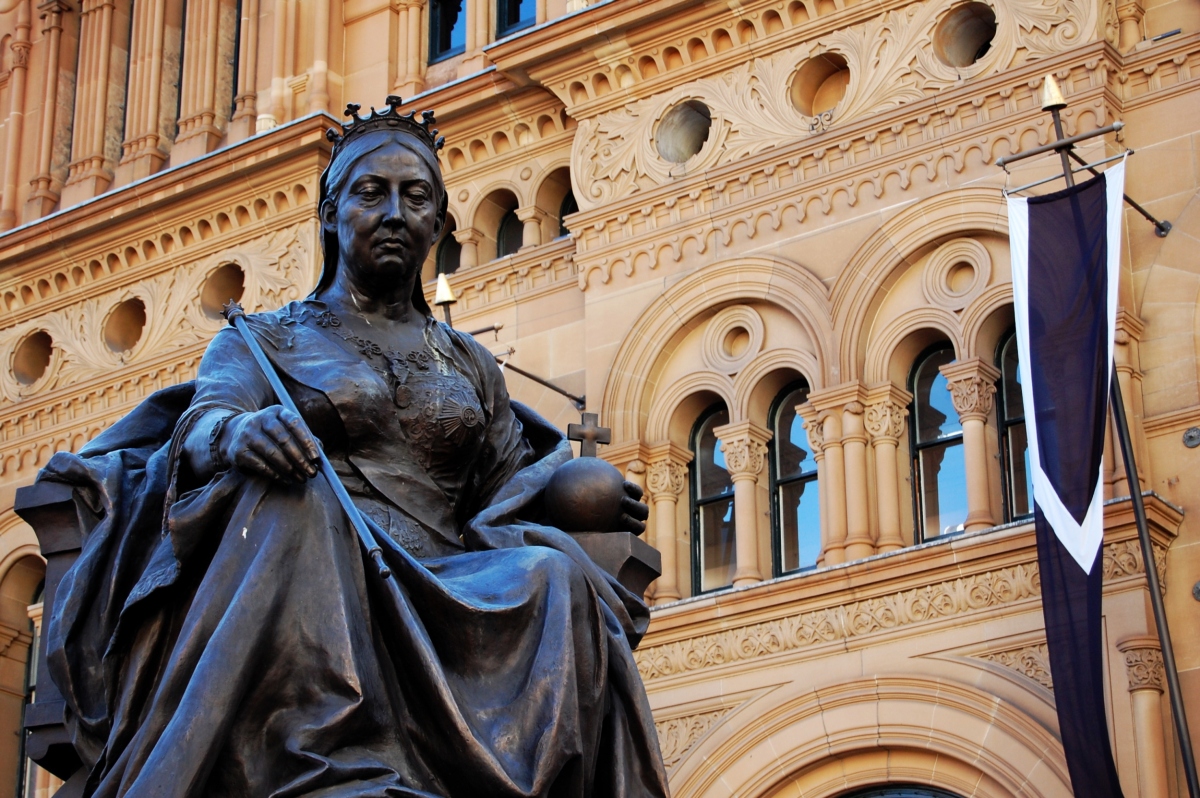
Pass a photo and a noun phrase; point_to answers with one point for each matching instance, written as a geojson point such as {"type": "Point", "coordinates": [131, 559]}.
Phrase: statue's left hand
{"type": "Point", "coordinates": [634, 511]}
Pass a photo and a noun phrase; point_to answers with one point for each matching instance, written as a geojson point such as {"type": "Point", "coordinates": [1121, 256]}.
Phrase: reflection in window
{"type": "Point", "coordinates": [796, 519]}
{"type": "Point", "coordinates": [513, 15]}
{"type": "Point", "coordinates": [940, 484]}
{"type": "Point", "coordinates": [508, 237]}
{"type": "Point", "coordinates": [1014, 446]}
{"type": "Point", "coordinates": [447, 29]}
{"type": "Point", "coordinates": [569, 206]}
{"type": "Point", "coordinates": [713, 554]}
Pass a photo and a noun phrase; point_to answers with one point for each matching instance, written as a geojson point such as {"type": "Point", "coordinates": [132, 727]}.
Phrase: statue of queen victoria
{"type": "Point", "coordinates": [223, 632]}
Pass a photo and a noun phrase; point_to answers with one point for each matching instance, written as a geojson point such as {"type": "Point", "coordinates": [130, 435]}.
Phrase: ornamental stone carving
{"type": "Point", "coordinates": [744, 456]}
{"type": "Point", "coordinates": [665, 478]}
{"type": "Point", "coordinates": [1032, 662]}
{"type": "Point", "coordinates": [1143, 663]}
{"type": "Point", "coordinates": [885, 421]}
{"type": "Point", "coordinates": [972, 385]}
{"type": "Point", "coordinates": [678, 736]}
{"type": "Point", "coordinates": [816, 438]}
{"type": "Point", "coordinates": [891, 61]}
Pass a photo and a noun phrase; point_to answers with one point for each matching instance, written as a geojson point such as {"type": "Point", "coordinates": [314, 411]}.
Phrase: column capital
{"type": "Point", "coordinates": [664, 479]}
{"type": "Point", "coordinates": [1143, 663]}
{"type": "Point", "coordinates": [467, 235]}
{"type": "Point", "coordinates": [887, 407]}
{"type": "Point", "coordinates": [972, 385]}
{"type": "Point", "coordinates": [745, 446]}
{"type": "Point", "coordinates": [1131, 10]}
{"type": "Point", "coordinates": [812, 423]}
{"type": "Point", "coordinates": [839, 397]}
{"type": "Point", "coordinates": [530, 213]}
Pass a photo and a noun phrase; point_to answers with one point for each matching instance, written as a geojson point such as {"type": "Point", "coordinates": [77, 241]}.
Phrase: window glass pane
{"type": "Point", "coordinates": [1014, 404]}
{"type": "Point", "coordinates": [710, 460]}
{"type": "Point", "coordinates": [1020, 479]}
{"type": "Point", "coordinates": [508, 238]}
{"type": "Point", "coordinates": [447, 28]}
{"type": "Point", "coordinates": [793, 455]}
{"type": "Point", "coordinates": [449, 254]}
{"type": "Point", "coordinates": [800, 525]}
{"type": "Point", "coordinates": [943, 489]}
{"type": "Point", "coordinates": [568, 207]}
{"type": "Point", "coordinates": [936, 416]}
{"type": "Point", "coordinates": [716, 545]}
{"type": "Point", "coordinates": [515, 14]}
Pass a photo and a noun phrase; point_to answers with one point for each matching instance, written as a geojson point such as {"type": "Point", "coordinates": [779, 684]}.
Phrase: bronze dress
{"type": "Point", "coordinates": [230, 638]}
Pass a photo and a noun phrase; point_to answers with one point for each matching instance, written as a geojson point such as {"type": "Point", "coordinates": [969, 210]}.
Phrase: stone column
{"type": "Point", "coordinates": [1125, 357]}
{"type": "Point", "coordinates": [835, 487]}
{"type": "Point", "coordinates": [200, 120]}
{"type": "Point", "coordinates": [745, 446]}
{"type": "Point", "coordinates": [972, 385]}
{"type": "Point", "coordinates": [469, 238]}
{"type": "Point", "coordinates": [887, 407]}
{"type": "Point", "coordinates": [44, 196]}
{"type": "Point", "coordinates": [859, 542]}
{"type": "Point", "coordinates": [16, 115]}
{"type": "Point", "coordinates": [244, 122]}
{"type": "Point", "coordinates": [318, 75]}
{"type": "Point", "coordinates": [665, 473]}
{"type": "Point", "coordinates": [531, 233]}
{"type": "Point", "coordinates": [1129, 16]}
{"type": "Point", "coordinates": [479, 33]}
{"type": "Point", "coordinates": [141, 154]}
{"type": "Point", "coordinates": [412, 79]}
{"type": "Point", "coordinates": [1144, 668]}
{"type": "Point", "coordinates": [89, 172]}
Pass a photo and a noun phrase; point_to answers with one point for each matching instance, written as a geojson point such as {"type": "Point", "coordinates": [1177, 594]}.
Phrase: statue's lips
{"type": "Point", "coordinates": [391, 245]}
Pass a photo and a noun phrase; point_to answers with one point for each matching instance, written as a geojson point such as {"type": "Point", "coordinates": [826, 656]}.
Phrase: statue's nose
{"type": "Point", "coordinates": [394, 209]}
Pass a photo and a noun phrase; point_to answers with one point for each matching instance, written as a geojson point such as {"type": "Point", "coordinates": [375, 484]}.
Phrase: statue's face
{"type": "Point", "coordinates": [385, 216]}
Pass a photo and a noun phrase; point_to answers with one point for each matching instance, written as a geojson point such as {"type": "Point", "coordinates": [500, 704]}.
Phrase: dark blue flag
{"type": "Point", "coordinates": [1065, 263]}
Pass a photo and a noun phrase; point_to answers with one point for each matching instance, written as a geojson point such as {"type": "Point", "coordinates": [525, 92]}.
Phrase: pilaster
{"type": "Point", "coordinates": [1144, 670]}
{"type": "Point", "coordinates": [1129, 17]}
{"type": "Point", "coordinates": [531, 217]}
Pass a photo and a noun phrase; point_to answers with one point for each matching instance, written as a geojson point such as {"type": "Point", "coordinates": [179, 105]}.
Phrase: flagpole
{"type": "Point", "coordinates": [1121, 422]}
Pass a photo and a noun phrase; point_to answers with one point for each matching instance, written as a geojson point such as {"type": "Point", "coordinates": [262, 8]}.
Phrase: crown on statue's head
{"type": "Point", "coordinates": [421, 127]}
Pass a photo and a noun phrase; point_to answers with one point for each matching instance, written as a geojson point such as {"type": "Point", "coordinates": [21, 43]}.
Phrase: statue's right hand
{"type": "Point", "coordinates": [272, 442]}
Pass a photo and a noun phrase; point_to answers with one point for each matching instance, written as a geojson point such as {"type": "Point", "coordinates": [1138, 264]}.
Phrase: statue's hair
{"type": "Point", "coordinates": [361, 138]}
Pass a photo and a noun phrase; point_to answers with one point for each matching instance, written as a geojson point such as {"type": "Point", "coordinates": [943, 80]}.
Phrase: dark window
{"type": "Point", "coordinates": [513, 15]}
{"type": "Point", "coordinates": [899, 791]}
{"type": "Point", "coordinates": [938, 467]}
{"type": "Point", "coordinates": [569, 206]}
{"type": "Point", "coordinates": [1014, 446]}
{"type": "Point", "coordinates": [713, 552]}
{"type": "Point", "coordinates": [795, 502]}
{"type": "Point", "coordinates": [508, 237]}
{"type": "Point", "coordinates": [448, 254]}
{"type": "Point", "coordinates": [447, 29]}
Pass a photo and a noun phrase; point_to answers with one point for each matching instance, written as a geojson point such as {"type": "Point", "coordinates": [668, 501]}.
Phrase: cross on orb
{"type": "Point", "coordinates": [589, 433]}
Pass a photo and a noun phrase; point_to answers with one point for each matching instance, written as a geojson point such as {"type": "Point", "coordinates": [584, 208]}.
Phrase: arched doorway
{"type": "Point", "coordinates": [899, 791]}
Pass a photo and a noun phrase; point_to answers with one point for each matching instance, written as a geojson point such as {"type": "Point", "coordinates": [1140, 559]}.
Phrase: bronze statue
{"type": "Point", "coordinates": [224, 634]}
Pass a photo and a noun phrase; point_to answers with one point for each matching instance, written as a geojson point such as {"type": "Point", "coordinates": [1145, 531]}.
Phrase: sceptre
{"type": "Point", "coordinates": [235, 314]}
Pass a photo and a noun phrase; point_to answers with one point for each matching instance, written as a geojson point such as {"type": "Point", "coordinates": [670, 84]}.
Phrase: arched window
{"type": "Point", "coordinates": [713, 553]}
{"type": "Point", "coordinates": [449, 251]}
{"type": "Point", "coordinates": [508, 237]}
{"type": "Point", "coordinates": [447, 29]}
{"type": "Point", "coordinates": [900, 791]}
{"type": "Point", "coordinates": [795, 504]}
{"type": "Point", "coordinates": [514, 15]}
{"type": "Point", "coordinates": [1014, 446]}
{"type": "Point", "coordinates": [569, 206]}
{"type": "Point", "coordinates": [938, 467]}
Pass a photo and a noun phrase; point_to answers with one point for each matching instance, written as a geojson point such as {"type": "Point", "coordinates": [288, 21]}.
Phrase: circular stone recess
{"type": "Point", "coordinates": [820, 84]}
{"type": "Point", "coordinates": [32, 357]}
{"type": "Point", "coordinates": [124, 326]}
{"type": "Point", "coordinates": [683, 130]}
{"type": "Point", "coordinates": [227, 282]}
{"type": "Point", "coordinates": [964, 34]}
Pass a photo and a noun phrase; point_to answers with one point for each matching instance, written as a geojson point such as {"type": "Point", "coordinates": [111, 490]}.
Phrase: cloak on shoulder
{"type": "Point", "coordinates": [226, 639]}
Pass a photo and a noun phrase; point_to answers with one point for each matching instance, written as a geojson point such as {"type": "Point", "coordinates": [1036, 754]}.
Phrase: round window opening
{"type": "Point", "coordinates": [820, 84]}
{"type": "Point", "coordinates": [683, 131]}
{"type": "Point", "coordinates": [124, 327]}
{"type": "Point", "coordinates": [32, 357]}
{"type": "Point", "coordinates": [964, 35]}
{"type": "Point", "coordinates": [226, 284]}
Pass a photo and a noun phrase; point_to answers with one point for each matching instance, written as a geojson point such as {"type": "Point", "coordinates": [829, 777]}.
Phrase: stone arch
{"type": "Point", "coordinates": [888, 252]}
{"type": "Point", "coordinates": [471, 213]}
{"type": "Point", "coordinates": [984, 322]}
{"type": "Point", "coordinates": [898, 728]}
{"type": "Point", "coordinates": [630, 389]}
{"type": "Point", "coordinates": [879, 366]}
{"type": "Point", "coordinates": [750, 381]}
{"type": "Point", "coordinates": [664, 413]}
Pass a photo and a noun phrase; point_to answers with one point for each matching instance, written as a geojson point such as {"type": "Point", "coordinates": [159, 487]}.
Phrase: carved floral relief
{"type": "Point", "coordinates": [891, 62]}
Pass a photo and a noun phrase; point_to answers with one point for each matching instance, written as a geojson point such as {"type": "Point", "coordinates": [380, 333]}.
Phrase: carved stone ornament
{"type": "Point", "coordinates": [1144, 667]}
{"type": "Point", "coordinates": [665, 477]}
{"type": "Point", "coordinates": [1032, 662]}
{"type": "Point", "coordinates": [891, 62]}
{"type": "Point", "coordinates": [678, 736]}
{"type": "Point", "coordinates": [972, 396]}
{"type": "Point", "coordinates": [885, 421]}
{"type": "Point", "coordinates": [816, 438]}
{"type": "Point", "coordinates": [744, 456]}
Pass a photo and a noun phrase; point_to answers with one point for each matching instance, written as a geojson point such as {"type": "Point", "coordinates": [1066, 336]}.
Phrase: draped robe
{"type": "Point", "coordinates": [228, 635]}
